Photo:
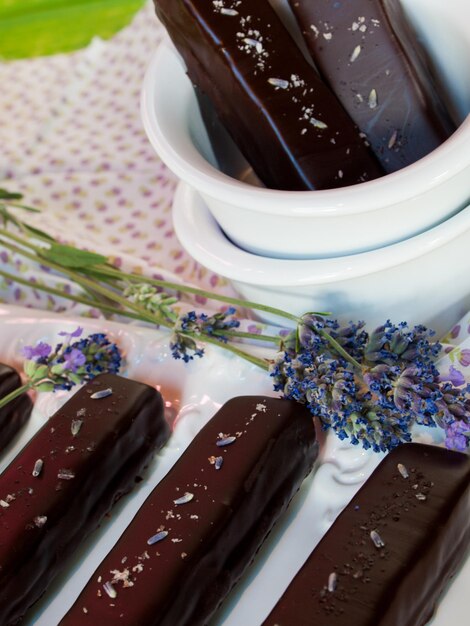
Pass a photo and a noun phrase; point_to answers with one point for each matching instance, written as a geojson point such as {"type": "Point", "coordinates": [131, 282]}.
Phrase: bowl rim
{"type": "Point", "coordinates": [204, 240]}
{"type": "Point", "coordinates": [425, 174]}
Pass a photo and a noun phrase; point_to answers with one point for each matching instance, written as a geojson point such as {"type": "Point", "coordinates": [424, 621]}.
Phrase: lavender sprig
{"type": "Point", "coordinates": [369, 388]}
{"type": "Point", "coordinates": [376, 396]}
{"type": "Point", "coordinates": [192, 326]}
{"type": "Point", "coordinates": [69, 363]}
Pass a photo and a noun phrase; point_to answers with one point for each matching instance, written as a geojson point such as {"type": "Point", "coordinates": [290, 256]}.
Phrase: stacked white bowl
{"type": "Point", "coordinates": [397, 247]}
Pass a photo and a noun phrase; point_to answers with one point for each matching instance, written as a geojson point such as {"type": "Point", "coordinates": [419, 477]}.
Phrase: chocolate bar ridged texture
{"type": "Point", "coordinates": [417, 504]}
{"type": "Point", "coordinates": [266, 448]}
{"type": "Point", "coordinates": [15, 414]}
{"type": "Point", "coordinates": [59, 487]}
{"type": "Point", "coordinates": [368, 54]}
{"type": "Point", "coordinates": [290, 127]}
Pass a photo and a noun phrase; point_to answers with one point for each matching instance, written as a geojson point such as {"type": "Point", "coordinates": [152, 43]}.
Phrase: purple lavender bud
{"type": "Point", "coordinates": [39, 351]}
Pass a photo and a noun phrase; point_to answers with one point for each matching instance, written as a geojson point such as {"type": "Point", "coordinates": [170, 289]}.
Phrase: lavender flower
{"type": "Point", "coordinates": [371, 390]}
{"type": "Point", "coordinates": [183, 345]}
{"type": "Point", "coordinates": [68, 363]}
{"type": "Point", "coordinates": [35, 353]}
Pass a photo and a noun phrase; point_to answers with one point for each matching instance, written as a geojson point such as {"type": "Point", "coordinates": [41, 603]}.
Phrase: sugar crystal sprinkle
{"type": "Point", "coordinates": [372, 100]}
{"type": "Point", "coordinates": [421, 497]}
{"type": "Point", "coordinates": [332, 582]}
{"type": "Point", "coordinates": [219, 461]}
{"type": "Point", "coordinates": [37, 468]}
{"type": "Point", "coordinates": [377, 539]}
{"type": "Point", "coordinates": [403, 471]}
{"type": "Point", "coordinates": [110, 590]}
{"type": "Point", "coordinates": [227, 441]}
{"type": "Point", "coordinates": [75, 427]}
{"type": "Point", "coordinates": [40, 520]}
{"type": "Point", "coordinates": [158, 537]}
{"type": "Point", "coordinates": [103, 393]}
{"type": "Point", "coordinates": [187, 497]}
{"type": "Point", "coordinates": [65, 474]}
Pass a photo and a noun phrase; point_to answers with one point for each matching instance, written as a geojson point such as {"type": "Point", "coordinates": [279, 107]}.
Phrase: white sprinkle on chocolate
{"type": "Point", "coordinates": [279, 83]}
{"type": "Point", "coordinates": [158, 537]}
{"type": "Point", "coordinates": [65, 474]}
{"type": "Point", "coordinates": [332, 582]}
{"type": "Point", "coordinates": [37, 468]}
{"type": "Point", "coordinates": [75, 427]}
{"type": "Point", "coordinates": [421, 497]}
{"type": "Point", "coordinates": [40, 520]}
{"type": "Point", "coordinates": [103, 393]}
{"type": "Point", "coordinates": [318, 123]}
{"type": "Point", "coordinates": [110, 590]}
{"type": "Point", "coordinates": [4, 504]}
{"type": "Point", "coordinates": [261, 407]}
{"type": "Point", "coordinates": [184, 499]}
{"type": "Point", "coordinates": [227, 441]}
{"type": "Point", "coordinates": [230, 12]}
{"type": "Point", "coordinates": [355, 53]}
{"type": "Point", "coordinates": [403, 471]}
{"type": "Point", "coordinates": [392, 140]}
{"type": "Point", "coordinates": [219, 461]}
{"type": "Point", "coordinates": [372, 100]}
{"type": "Point", "coordinates": [377, 539]}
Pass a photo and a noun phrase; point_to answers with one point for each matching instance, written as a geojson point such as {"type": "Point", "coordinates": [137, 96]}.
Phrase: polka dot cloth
{"type": "Point", "coordinates": [73, 144]}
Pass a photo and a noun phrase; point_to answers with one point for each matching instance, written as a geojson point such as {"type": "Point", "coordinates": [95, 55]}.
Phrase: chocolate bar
{"type": "Point", "coordinates": [15, 414]}
{"type": "Point", "coordinates": [368, 53]}
{"type": "Point", "coordinates": [389, 555]}
{"type": "Point", "coordinates": [286, 122]}
{"type": "Point", "coordinates": [203, 524]}
{"type": "Point", "coordinates": [59, 487]}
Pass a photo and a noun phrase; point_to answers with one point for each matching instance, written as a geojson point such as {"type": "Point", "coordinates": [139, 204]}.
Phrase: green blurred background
{"type": "Point", "coordinates": [38, 27]}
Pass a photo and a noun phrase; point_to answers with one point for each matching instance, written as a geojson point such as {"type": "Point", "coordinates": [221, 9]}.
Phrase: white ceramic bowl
{"type": "Point", "coordinates": [316, 224]}
{"type": "Point", "coordinates": [425, 279]}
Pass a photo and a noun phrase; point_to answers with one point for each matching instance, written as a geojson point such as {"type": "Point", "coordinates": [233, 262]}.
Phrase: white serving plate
{"type": "Point", "coordinates": [193, 393]}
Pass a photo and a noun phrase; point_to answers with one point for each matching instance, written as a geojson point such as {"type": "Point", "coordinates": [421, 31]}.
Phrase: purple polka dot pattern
{"type": "Point", "coordinates": [73, 144]}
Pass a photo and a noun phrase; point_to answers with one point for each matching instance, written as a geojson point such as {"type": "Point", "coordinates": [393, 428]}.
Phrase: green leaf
{"type": "Point", "coordinates": [40, 372]}
{"type": "Point", "coordinates": [74, 378]}
{"type": "Point", "coordinates": [8, 195]}
{"type": "Point", "coordinates": [29, 368]}
{"type": "Point", "coordinates": [37, 27]}
{"type": "Point", "coordinates": [57, 369]}
{"type": "Point", "coordinates": [45, 387]}
{"type": "Point", "coordinates": [38, 232]}
{"type": "Point", "coordinates": [68, 256]}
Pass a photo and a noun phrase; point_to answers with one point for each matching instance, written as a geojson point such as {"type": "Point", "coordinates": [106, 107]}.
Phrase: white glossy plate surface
{"type": "Point", "coordinates": [193, 393]}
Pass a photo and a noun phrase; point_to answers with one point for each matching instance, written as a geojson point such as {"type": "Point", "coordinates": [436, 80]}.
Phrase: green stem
{"type": "Point", "coordinates": [105, 271]}
{"type": "Point", "coordinates": [339, 348]}
{"type": "Point", "coordinates": [238, 334]}
{"type": "Point", "coordinates": [15, 394]}
{"type": "Point", "coordinates": [262, 363]}
{"type": "Point", "coordinates": [68, 296]}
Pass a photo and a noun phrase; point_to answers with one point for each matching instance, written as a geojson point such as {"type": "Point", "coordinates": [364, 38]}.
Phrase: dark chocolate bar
{"type": "Point", "coordinates": [388, 556]}
{"type": "Point", "coordinates": [15, 414]}
{"type": "Point", "coordinates": [203, 524]}
{"type": "Point", "coordinates": [287, 123]}
{"type": "Point", "coordinates": [59, 487]}
{"type": "Point", "coordinates": [368, 53]}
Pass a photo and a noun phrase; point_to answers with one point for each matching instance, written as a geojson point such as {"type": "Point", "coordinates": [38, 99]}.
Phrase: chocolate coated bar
{"type": "Point", "coordinates": [388, 556]}
{"type": "Point", "coordinates": [368, 54]}
{"type": "Point", "coordinates": [14, 415]}
{"type": "Point", "coordinates": [287, 123]}
{"type": "Point", "coordinates": [58, 488]}
{"type": "Point", "coordinates": [203, 524]}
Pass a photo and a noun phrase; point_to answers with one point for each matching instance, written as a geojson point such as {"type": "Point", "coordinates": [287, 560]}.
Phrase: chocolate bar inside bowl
{"type": "Point", "coordinates": [290, 127]}
{"type": "Point", "coordinates": [368, 53]}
